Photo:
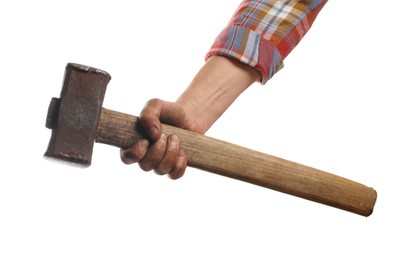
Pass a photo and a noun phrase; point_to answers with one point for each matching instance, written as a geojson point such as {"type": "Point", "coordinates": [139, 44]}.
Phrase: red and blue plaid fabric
{"type": "Point", "coordinates": [262, 33]}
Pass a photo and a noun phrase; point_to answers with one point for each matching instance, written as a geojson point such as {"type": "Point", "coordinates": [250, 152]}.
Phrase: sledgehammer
{"type": "Point", "coordinates": [77, 120]}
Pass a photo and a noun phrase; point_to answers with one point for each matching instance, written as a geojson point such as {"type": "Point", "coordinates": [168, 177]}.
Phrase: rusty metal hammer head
{"type": "Point", "coordinates": [74, 117]}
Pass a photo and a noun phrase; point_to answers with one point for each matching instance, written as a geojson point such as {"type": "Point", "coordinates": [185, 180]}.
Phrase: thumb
{"type": "Point", "coordinates": [157, 111]}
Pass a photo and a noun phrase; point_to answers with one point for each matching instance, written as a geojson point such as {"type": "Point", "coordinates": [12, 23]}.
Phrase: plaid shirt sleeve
{"type": "Point", "coordinates": [262, 33]}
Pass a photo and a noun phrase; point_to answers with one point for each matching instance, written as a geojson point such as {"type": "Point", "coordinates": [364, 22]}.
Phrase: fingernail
{"type": "Point", "coordinates": [182, 155]}
{"type": "Point", "coordinates": [174, 139]}
{"type": "Point", "coordinates": [153, 132]}
{"type": "Point", "coordinates": [163, 138]}
{"type": "Point", "coordinates": [144, 143]}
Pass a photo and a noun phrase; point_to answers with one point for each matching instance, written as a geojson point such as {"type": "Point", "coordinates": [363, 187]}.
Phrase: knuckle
{"type": "Point", "coordinates": [153, 101]}
{"type": "Point", "coordinates": [150, 106]}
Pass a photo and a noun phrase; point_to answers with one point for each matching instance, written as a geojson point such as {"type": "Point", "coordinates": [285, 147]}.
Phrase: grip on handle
{"type": "Point", "coordinates": [233, 161]}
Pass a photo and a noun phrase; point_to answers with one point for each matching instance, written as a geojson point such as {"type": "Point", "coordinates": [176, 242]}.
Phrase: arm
{"type": "Point", "coordinates": [251, 48]}
{"type": "Point", "coordinates": [215, 87]}
{"type": "Point", "coordinates": [217, 84]}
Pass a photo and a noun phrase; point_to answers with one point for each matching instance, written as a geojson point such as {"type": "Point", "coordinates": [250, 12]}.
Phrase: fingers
{"type": "Point", "coordinates": [135, 153]}
{"type": "Point", "coordinates": [174, 161]}
{"type": "Point", "coordinates": [180, 166]}
{"type": "Point", "coordinates": [164, 156]}
{"type": "Point", "coordinates": [161, 154]}
{"type": "Point", "coordinates": [170, 157]}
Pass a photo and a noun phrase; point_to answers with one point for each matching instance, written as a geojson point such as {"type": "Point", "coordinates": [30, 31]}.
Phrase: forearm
{"type": "Point", "coordinates": [251, 48]}
{"type": "Point", "coordinates": [214, 88]}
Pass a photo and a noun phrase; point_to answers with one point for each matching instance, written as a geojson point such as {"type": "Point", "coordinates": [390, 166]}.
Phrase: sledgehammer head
{"type": "Point", "coordinates": [74, 117]}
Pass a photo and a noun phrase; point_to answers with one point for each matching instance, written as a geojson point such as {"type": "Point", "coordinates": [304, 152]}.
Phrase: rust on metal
{"type": "Point", "coordinates": [74, 117]}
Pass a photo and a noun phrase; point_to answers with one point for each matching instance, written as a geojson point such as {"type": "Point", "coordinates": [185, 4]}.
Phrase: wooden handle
{"type": "Point", "coordinates": [233, 161]}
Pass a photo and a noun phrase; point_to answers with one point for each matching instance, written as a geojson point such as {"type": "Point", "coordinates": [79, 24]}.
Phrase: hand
{"type": "Point", "coordinates": [160, 153]}
{"type": "Point", "coordinates": [215, 87]}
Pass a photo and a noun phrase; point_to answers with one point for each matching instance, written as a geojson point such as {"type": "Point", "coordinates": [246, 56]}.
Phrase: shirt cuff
{"type": "Point", "coordinates": [247, 46]}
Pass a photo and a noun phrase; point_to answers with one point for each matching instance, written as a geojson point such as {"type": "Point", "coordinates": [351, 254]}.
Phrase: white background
{"type": "Point", "coordinates": [338, 105]}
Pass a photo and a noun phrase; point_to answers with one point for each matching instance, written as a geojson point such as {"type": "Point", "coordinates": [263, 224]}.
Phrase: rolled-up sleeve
{"type": "Point", "coordinates": [262, 33]}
